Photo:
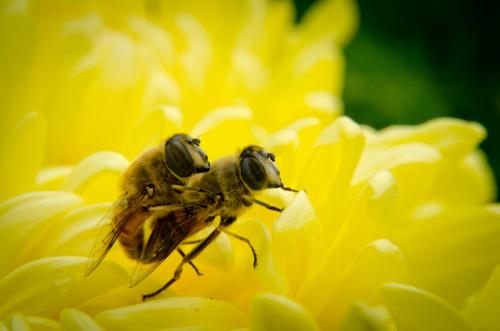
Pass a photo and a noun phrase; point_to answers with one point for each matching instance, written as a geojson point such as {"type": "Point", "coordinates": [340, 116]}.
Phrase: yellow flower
{"type": "Point", "coordinates": [397, 230]}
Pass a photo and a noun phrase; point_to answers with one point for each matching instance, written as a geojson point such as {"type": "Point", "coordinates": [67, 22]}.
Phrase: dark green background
{"type": "Point", "coordinates": [412, 61]}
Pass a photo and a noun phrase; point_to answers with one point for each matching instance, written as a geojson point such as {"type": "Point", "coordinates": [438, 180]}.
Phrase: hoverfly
{"type": "Point", "coordinates": [225, 191]}
{"type": "Point", "coordinates": [149, 181]}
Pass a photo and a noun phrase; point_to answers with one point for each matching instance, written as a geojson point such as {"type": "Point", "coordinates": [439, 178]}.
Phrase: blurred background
{"type": "Point", "coordinates": [415, 60]}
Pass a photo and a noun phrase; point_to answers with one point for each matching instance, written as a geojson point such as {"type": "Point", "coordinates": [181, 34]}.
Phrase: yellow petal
{"type": "Point", "coordinates": [173, 314]}
{"type": "Point", "coordinates": [25, 221]}
{"type": "Point", "coordinates": [275, 312]}
{"type": "Point", "coordinates": [17, 322]}
{"type": "Point", "coordinates": [96, 178]}
{"type": "Point", "coordinates": [476, 184]}
{"type": "Point", "coordinates": [331, 166]}
{"type": "Point", "coordinates": [482, 312]}
{"type": "Point", "coordinates": [363, 223]}
{"type": "Point", "coordinates": [215, 126]}
{"type": "Point", "coordinates": [307, 73]}
{"type": "Point", "coordinates": [414, 309]}
{"type": "Point", "coordinates": [44, 287]}
{"type": "Point", "coordinates": [198, 56]}
{"type": "Point", "coordinates": [298, 214]}
{"type": "Point", "coordinates": [381, 205]}
{"type": "Point", "coordinates": [295, 238]}
{"type": "Point", "coordinates": [21, 155]}
{"type": "Point", "coordinates": [220, 253]}
{"type": "Point", "coordinates": [76, 320]}
{"type": "Point", "coordinates": [268, 269]}
{"type": "Point", "coordinates": [325, 102]}
{"type": "Point", "coordinates": [43, 324]}
{"type": "Point", "coordinates": [292, 146]}
{"type": "Point", "coordinates": [378, 262]}
{"type": "Point", "coordinates": [17, 41]}
{"type": "Point", "coordinates": [460, 251]}
{"type": "Point", "coordinates": [336, 19]}
{"type": "Point", "coordinates": [52, 178]}
{"type": "Point", "coordinates": [454, 138]}
{"type": "Point", "coordinates": [364, 318]}
{"type": "Point", "coordinates": [415, 167]}
{"type": "Point", "coordinates": [157, 39]}
{"type": "Point", "coordinates": [76, 231]}
{"type": "Point", "coordinates": [155, 127]}
{"type": "Point", "coordinates": [104, 85]}
{"type": "Point", "coordinates": [273, 28]}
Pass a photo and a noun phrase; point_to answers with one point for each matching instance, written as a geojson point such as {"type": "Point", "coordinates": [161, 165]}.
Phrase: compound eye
{"type": "Point", "coordinates": [178, 158]}
{"type": "Point", "coordinates": [253, 173]}
{"type": "Point", "coordinates": [271, 156]}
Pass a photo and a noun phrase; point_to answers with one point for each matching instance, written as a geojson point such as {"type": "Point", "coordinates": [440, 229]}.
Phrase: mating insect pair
{"type": "Point", "coordinates": [173, 189]}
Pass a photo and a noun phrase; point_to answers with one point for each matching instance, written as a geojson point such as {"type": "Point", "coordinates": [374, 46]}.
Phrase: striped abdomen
{"type": "Point", "coordinates": [131, 237]}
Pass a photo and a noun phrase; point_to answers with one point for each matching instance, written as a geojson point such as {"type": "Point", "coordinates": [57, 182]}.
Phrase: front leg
{"type": "Point", "coordinates": [227, 221]}
{"type": "Point", "coordinates": [268, 206]}
{"type": "Point", "coordinates": [245, 240]}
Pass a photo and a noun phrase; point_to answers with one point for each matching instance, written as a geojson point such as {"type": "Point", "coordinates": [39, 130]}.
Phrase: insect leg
{"type": "Point", "coordinates": [246, 240]}
{"type": "Point", "coordinates": [268, 206]}
{"type": "Point", "coordinates": [191, 242]}
{"type": "Point", "coordinates": [181, 252]}
{"type": "Point", "coordinates": [191, 255]}
{"type": "Point", "coordinates": [284, 188]}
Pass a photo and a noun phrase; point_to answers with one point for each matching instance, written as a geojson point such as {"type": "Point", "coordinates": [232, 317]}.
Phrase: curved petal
{"type": "Point", "coordinates": [217, 125]}
{"type": "Point", "coordinates": [482, 311]}
{"type": "Point", "coordinates": [43, 324]}
{"type": "Point", "coordinates": [453, 137]}
{"type": "Point", "coordinates": [331, 166]}
{"type": "Point", "coordinates": [335, 19]}
{"type": "Point", "coordinates": [377, 263]}
{"type": "Point", "coordinates": [364, 318]}
{"type": "Point", "coordinates": [268, 269]}
{"type": "Point", "coordinates": [25, 221]}
{"type": "Point", "coordinates": [76, 231]}
{"type": "Point", "coordinates": [173, 314]}
{"type": "Point", "coordinates": [476, 184]}
{"type": "Point", "coordinates": [271, 312]}
{"type": "Point", "coordinates": [44, 287]}
{"type": "Point", "coordinates": [364, 222]}
{"type": "Point", "coordinates": [460, 248]}
{"type": "Point", "coordinates": [17, 322]}
{"type": "Point", "coordinates": [76, 320]}
{"type": "Point", "coordinates": [414, 309]}
{"type": "Point", "coordinates": [96, 177]}
{"type": "Point", "coordinates": [296, 242]}
{"type": "Point", "coordinates": [52, 178]}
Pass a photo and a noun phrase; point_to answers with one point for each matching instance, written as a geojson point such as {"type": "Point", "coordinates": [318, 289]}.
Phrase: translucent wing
{"type": "Point", "coordinates": [107, 235]}
{"type": "Point", "coordinates": [166, 234]}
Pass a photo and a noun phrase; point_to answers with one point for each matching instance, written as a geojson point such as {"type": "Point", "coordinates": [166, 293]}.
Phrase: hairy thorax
{"type": "Point", "coordinates": [149, 178]}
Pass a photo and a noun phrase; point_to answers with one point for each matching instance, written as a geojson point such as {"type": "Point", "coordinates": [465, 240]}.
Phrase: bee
{"type": "Point", "coordinates": [225, 191]}
{"type": "Point", "coordinates": [148, 182]}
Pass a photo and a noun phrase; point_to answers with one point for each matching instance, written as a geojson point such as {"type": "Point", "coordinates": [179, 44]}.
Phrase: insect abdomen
{"type": "Point", "coordinates": [132, 236]}
{"type": "Point", "coordinates": [132, 244]}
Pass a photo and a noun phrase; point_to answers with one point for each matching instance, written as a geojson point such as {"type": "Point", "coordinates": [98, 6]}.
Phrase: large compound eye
{"type": "Point", "coordinates": [253, 173]}
{"type": "Point", "coordinates": [178, 159]}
